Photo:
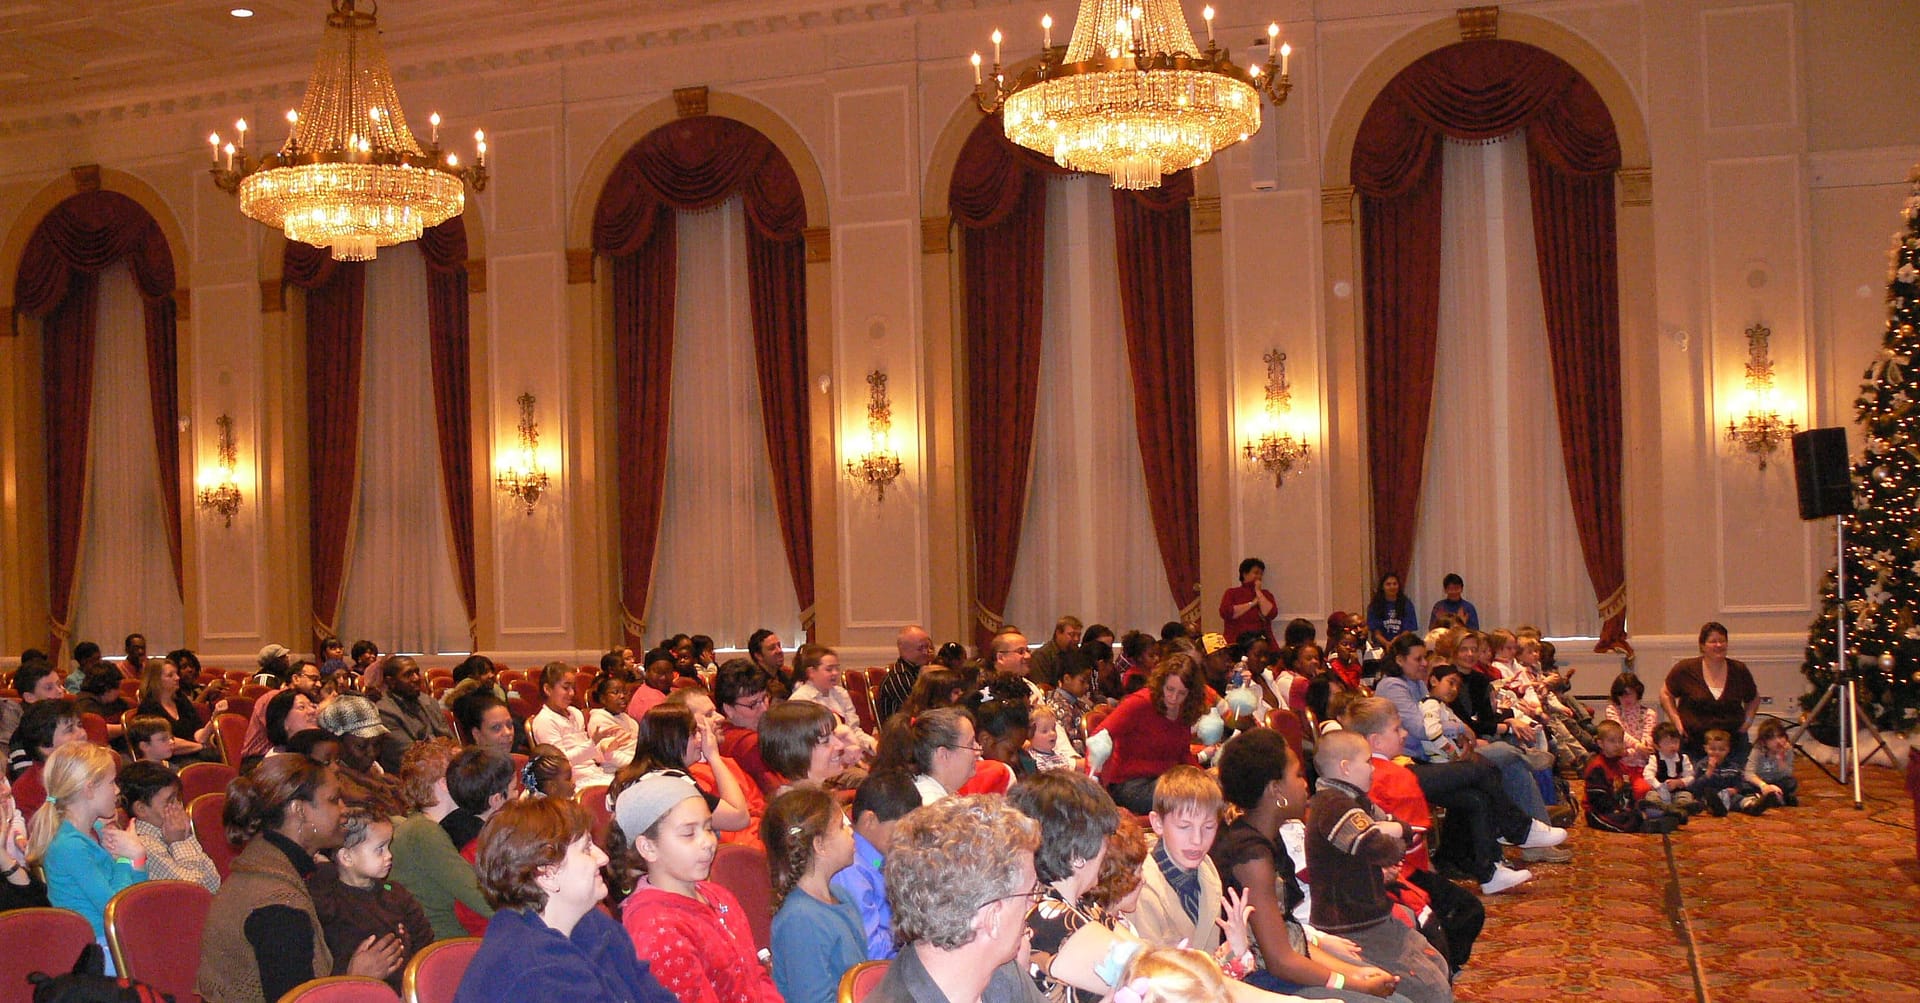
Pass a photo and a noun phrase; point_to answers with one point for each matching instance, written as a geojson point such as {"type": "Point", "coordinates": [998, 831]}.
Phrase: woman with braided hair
{"type": "Point", "coordinates": [817, 932]}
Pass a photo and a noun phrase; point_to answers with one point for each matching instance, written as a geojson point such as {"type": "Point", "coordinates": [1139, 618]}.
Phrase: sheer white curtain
{"type": "Point", "coordinates": [400, 586]}
{"type": "Point", "coordinates": [1494, 505]}
{"type": "Point", "coordinates": [1086, 545]}
{"type": "Point", "coordinates": [125, 575]}
{"type": "Point", "coordinates": [721, 568]}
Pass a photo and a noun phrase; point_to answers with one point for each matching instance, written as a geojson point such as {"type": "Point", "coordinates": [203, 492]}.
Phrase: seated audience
{"type": "Point", "coordinates": [1075, 818]}
{"type": "Point", "coordinates": [690, 929]}
{"type": "Point", "coordinates": [150, 739]}
{"type": "Point", "coordinates": [659, 669]}
{"type": "Point", "coordinates": [489, 723]}
{"type": "Point", "coordinates": [800, 742]}
{"type": "Point", "coordinates": [1770, 769]}
{"type": "Point", "coordinates": [1180, 897]}
{"type": "Point", "coordinates": [20, 884]}
{"type": "Point", "coordinates": [885, 797]}
{"type": "Point", "coordinates": [354, 900]}
{"type": "Point", "coordinates": [161, 696]}
{"type": "Point", "coordinates": [425, 858]}
{"type": "Point", "coordinates": [46, 726]}
{"type": "Point", "coordinates": [1711, 693]}
{"type": "Point", "coordinates": [562, 725]}
{"type": "Point", "coordinates": [1636, 719]}
{"type": "Point", "coordinates": [279, 673]}
{"type": "Point", "coordinates": [1152, 732]}
{"type": "Point", "coordinates": [961, 880]}
{"type": "Point", "coordinates": [937, 746]}
{"type": "Point", "coordinates": [548, 941]}
{"type": "Point", "coordinates": [672, 740]}
{"type": "Point", "coordinates": [1669, 773]}
{"type": "Point", "coordinates": [84, 863]}
{"type": "Point", "coordinates": [1719, 778]}
{"type": "Point", "coordinates": [1349, 845]}
{"type": "Point", "coordinates": [818, 668]}
{"type": "Point", "coordinates": [609, 714]}
{"type": "Point", "coordinates": [1261, 776]}
{"type": "Point", "coordinates": [706, 772]}
{"type": "Point", "coordinates": [1615, 790]}
{"type": "Point", "coordinates": [547, 774]}
{"type": "Point", "coordinates": [410, 715]}
{"type": "Point", "coordinates": [1071, 699]}
{"type": "Point", "coordinates": [100, 694]}
{"type": "Point", "coordinates": [741, 692]}
{"type": "Point", "coordinates": [150, 793]}
{"type": "Point", "coordinates": [262, 936]}
{"type": "Point", "coordinates": [353, 720]}
{"type": "Point", "coordinates": [817, 931]}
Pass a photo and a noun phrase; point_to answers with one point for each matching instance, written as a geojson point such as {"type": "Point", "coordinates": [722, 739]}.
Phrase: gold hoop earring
{"type": "Point", "coordinates": [1282, 803]}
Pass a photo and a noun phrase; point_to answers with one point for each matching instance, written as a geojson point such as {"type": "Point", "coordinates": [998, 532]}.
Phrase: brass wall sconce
{"type": "Point", "coordinates": [879, 466]}
{"type": "Point", "coordinates": [1761, 430]}
{"type": "Point", "coordinates": [522, 479]}
{"type": "Point", "coordinates": [219, 494]}
{"type": "Point", "coordinates": [1277, 450]}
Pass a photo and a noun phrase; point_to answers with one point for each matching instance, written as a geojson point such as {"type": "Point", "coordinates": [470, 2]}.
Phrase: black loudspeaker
{"type": "Point", "coordinates": [1820, 467]}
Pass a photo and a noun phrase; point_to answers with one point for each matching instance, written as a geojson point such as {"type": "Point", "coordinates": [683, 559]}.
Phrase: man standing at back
{"type": "Point", "coordinates": [916, 650]}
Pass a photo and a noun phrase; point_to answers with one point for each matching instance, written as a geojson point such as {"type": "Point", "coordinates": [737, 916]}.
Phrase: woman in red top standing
{"type": "Point", "coordinates": [1247, 606]}
{"type": "Point", "coordinates": [1152, 731]}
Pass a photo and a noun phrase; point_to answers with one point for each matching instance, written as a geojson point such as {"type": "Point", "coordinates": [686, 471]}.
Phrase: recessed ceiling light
{"type": "Point", "coordinates": [241, 12]}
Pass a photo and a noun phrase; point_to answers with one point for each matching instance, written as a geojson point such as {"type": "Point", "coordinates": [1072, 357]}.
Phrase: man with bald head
{"type": "Point", "coordinates": [916, 650]}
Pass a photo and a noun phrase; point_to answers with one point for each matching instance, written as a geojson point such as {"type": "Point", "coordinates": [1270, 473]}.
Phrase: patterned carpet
{"type": "Point", "coordinates": [1815, 902]}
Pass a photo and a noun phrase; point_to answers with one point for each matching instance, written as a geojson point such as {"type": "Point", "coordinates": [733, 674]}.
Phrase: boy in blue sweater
{"type": "Point", "coordinates": [882, 800]}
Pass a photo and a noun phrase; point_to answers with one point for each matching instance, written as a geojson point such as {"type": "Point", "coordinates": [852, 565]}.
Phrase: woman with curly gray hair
{"type": "Point", "coordinates": [960, 878]}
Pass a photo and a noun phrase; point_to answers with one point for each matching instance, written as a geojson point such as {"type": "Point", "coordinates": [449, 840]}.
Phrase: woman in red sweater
{"type": "Point", "coordinates": [1152, 731]}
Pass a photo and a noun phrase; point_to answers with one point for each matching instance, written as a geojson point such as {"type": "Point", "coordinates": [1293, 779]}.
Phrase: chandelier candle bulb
{"type": "Point", "coordinates": [976, 70]}
{"type": "Point", "coordinates": [213, 140]}
{"type": "Point", "coordinates": [241, 128]}
{"type": "Point", "coordinates": [229, 151]}
{"type": "Point", "coordinates": [1046, 32]}
{"type": "Point", "coordinates": [1286, 52]}
{"type": "Point", "coordinates": [1206, 14]}
{"type": "Point", "coordinates": [433, 128]}
{"type": "Point", "coordinates": [996, 47]}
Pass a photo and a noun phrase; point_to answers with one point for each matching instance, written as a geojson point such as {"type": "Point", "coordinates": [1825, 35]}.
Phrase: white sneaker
{"type": "Point", "coordinates": [1505, 877]}
{"type": "Point", "coordinates": [1539, 836]}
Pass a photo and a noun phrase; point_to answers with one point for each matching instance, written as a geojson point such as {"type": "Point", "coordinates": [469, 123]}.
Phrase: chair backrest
{"type": "Point", "coordinates": [130, 688]}
{"type": "Point", "coordinates": [208, 827]}
{"type": "Point", "coordinates": [205, 778]}
{"type": "Point", "coordinates": [231, 732]}
{"type": "Point", "coordinates": [861, 980]}
{"type": "Point", "coordinates": [594, 800]}
{"type": "Point", "coordinates": [243, 706]}
{"type": "Point", "coordinates": [742, 870]}
{"type": "Point", "coordinates": [433, 976]}
{"type": "Point", "coordinates": [861, 691]}
{"type": "Point", "coordinates": [341, 989]}
{"type": "Point", "coordinates": [38, 940]}
{"type": "Point", "coordinates": [1290, 727]}
{"type": "Point", "coordinates": [95, 727]}
{"type": "Point", "coordinates": [153, 929]}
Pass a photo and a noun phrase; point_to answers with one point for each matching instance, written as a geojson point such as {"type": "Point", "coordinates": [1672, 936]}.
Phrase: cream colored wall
{"type": "Point", "coordinates": [1776, 153]}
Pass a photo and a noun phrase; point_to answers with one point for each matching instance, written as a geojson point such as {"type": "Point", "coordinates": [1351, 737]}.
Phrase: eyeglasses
{"type": "Point", "coordinates": [975, 747]}
{"type": "Point", "coordinates": [1032, 895]}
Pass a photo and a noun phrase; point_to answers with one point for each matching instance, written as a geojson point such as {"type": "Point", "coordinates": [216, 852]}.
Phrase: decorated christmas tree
{"type": "Point", "coordinates": [1883, 532]}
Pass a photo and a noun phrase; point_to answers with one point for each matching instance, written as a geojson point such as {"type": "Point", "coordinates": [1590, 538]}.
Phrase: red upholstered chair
{"type": "Point", "coordinates": [1290, 727]}
{"type": "Point", "coordinates": [211, 831]}
{"type": "Point", "coordinates": [742, 870]}
{"type": "Point", "coordinates": [341, 989]}
{"type": "Point", "coordinates": [594, 800]}
{"type": "Point", "coordinates": [242, 706]}
{"type": "Point", "coordinates": [859, 689]}
{"type": "Point", "coordinates": [38, 940]}
{"type": "Point", "coordinates": [230, 733]}
{"type": "Point", "coordinates": [153, 929]}
{"type": "Point", "coordinates": [130, 688]}
{"type": "Point", "coordinates": [861, 980]}
{"type": "Point", "coordinates": [433, 976]}
{"type": "Point", "coordinates": [95, 727]}
{"type": "Point", "coordinates": [205, 778]}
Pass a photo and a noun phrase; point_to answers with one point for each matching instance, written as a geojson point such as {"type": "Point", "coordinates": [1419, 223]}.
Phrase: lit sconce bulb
{"type": "Point", "coordinates": [293, 117]}
{"type": "Point", "coordinates": [975, 60]}
{"type": "Point", "coordinates": [228, 149]}
{"type": "Point", "coordinates": [213, 140]}
{"type": "Point", "coordinates": [480, 147]}
{"type": "Point", "coordinates": [1046, 30]}
{"type": "Point", "coordinates": [1206, 14]}
{"type": "Point", "coordinates": [996, 47]}
{"type": "Point", "coordinates": [433, 120]}
{"type": "Point", "coordinates": [453, 160]}
{"type": "Point", "coordinates": [1286, 53]}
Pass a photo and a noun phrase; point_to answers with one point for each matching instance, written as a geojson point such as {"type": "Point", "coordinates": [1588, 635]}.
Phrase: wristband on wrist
{"type": "Point", "coordinates": [1336, 981]}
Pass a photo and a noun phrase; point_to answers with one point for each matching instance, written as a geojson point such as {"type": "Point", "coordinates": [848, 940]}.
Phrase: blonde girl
{"type": "Point", "coordinates": [1172, 975]}
{"type": "Point", "coordinates": [73, 838]}
{"type": "Point", "coordinates": [817, 931]}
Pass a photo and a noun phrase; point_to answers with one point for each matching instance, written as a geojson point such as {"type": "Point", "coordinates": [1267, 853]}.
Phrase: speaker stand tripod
{"type": "Point", "coordinates": [1846, 689]}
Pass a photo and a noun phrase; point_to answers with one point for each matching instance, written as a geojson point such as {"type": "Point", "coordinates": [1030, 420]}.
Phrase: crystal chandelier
{"type": "Point", "coordinates": [522, 478]}
{"type": "Point", "coordinates": [1276, 450]}
{"type": "Point", "coordinates": [879, 466]}
{"type": "Point", "coordinates": [1131, 96]}
{"type": "Point", "coordinates": [1763, 429]}
{"type": "Point", "coordinates": [350, 176]}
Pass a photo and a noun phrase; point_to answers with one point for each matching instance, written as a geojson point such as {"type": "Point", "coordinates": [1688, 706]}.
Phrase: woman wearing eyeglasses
{"type": "Point", "coordinates": [1075, 817]}
{"type": "Point", "coordinates": [939, 747]}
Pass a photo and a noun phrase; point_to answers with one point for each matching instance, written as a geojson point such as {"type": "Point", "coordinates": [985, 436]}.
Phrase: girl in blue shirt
{"type": "Point", "coordinates": [817, 934]}
{"type": "Point", "coordinates": [86, 858]}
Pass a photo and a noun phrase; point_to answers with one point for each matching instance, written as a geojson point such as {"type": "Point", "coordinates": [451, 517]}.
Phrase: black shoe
{"type": "Point", "coordinates": [1717, 805]}
{"type": "Point", "coordinates": [1662, 825]}
{"type": "Point", "coordinates": [1773, 800]}
{"type": "Point", "coordinates": [1753, 804]}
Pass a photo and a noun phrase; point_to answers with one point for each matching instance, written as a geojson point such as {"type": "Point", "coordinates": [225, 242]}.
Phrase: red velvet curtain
{"type": "Point", "coordinates": [999, 199]}
{"type": "Point", "coordinates": [1473, 91]}
{"type": "Point", "coordinates": [445, 249]}
{"type": "Point", "coordinates": [58, 279]}
{"type": "Point", "coordinates": [336, 321]}
{"type": "Point", "coordinates": [1153, 242]}
{"type": "Point", "coordinates": [690, 164]}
